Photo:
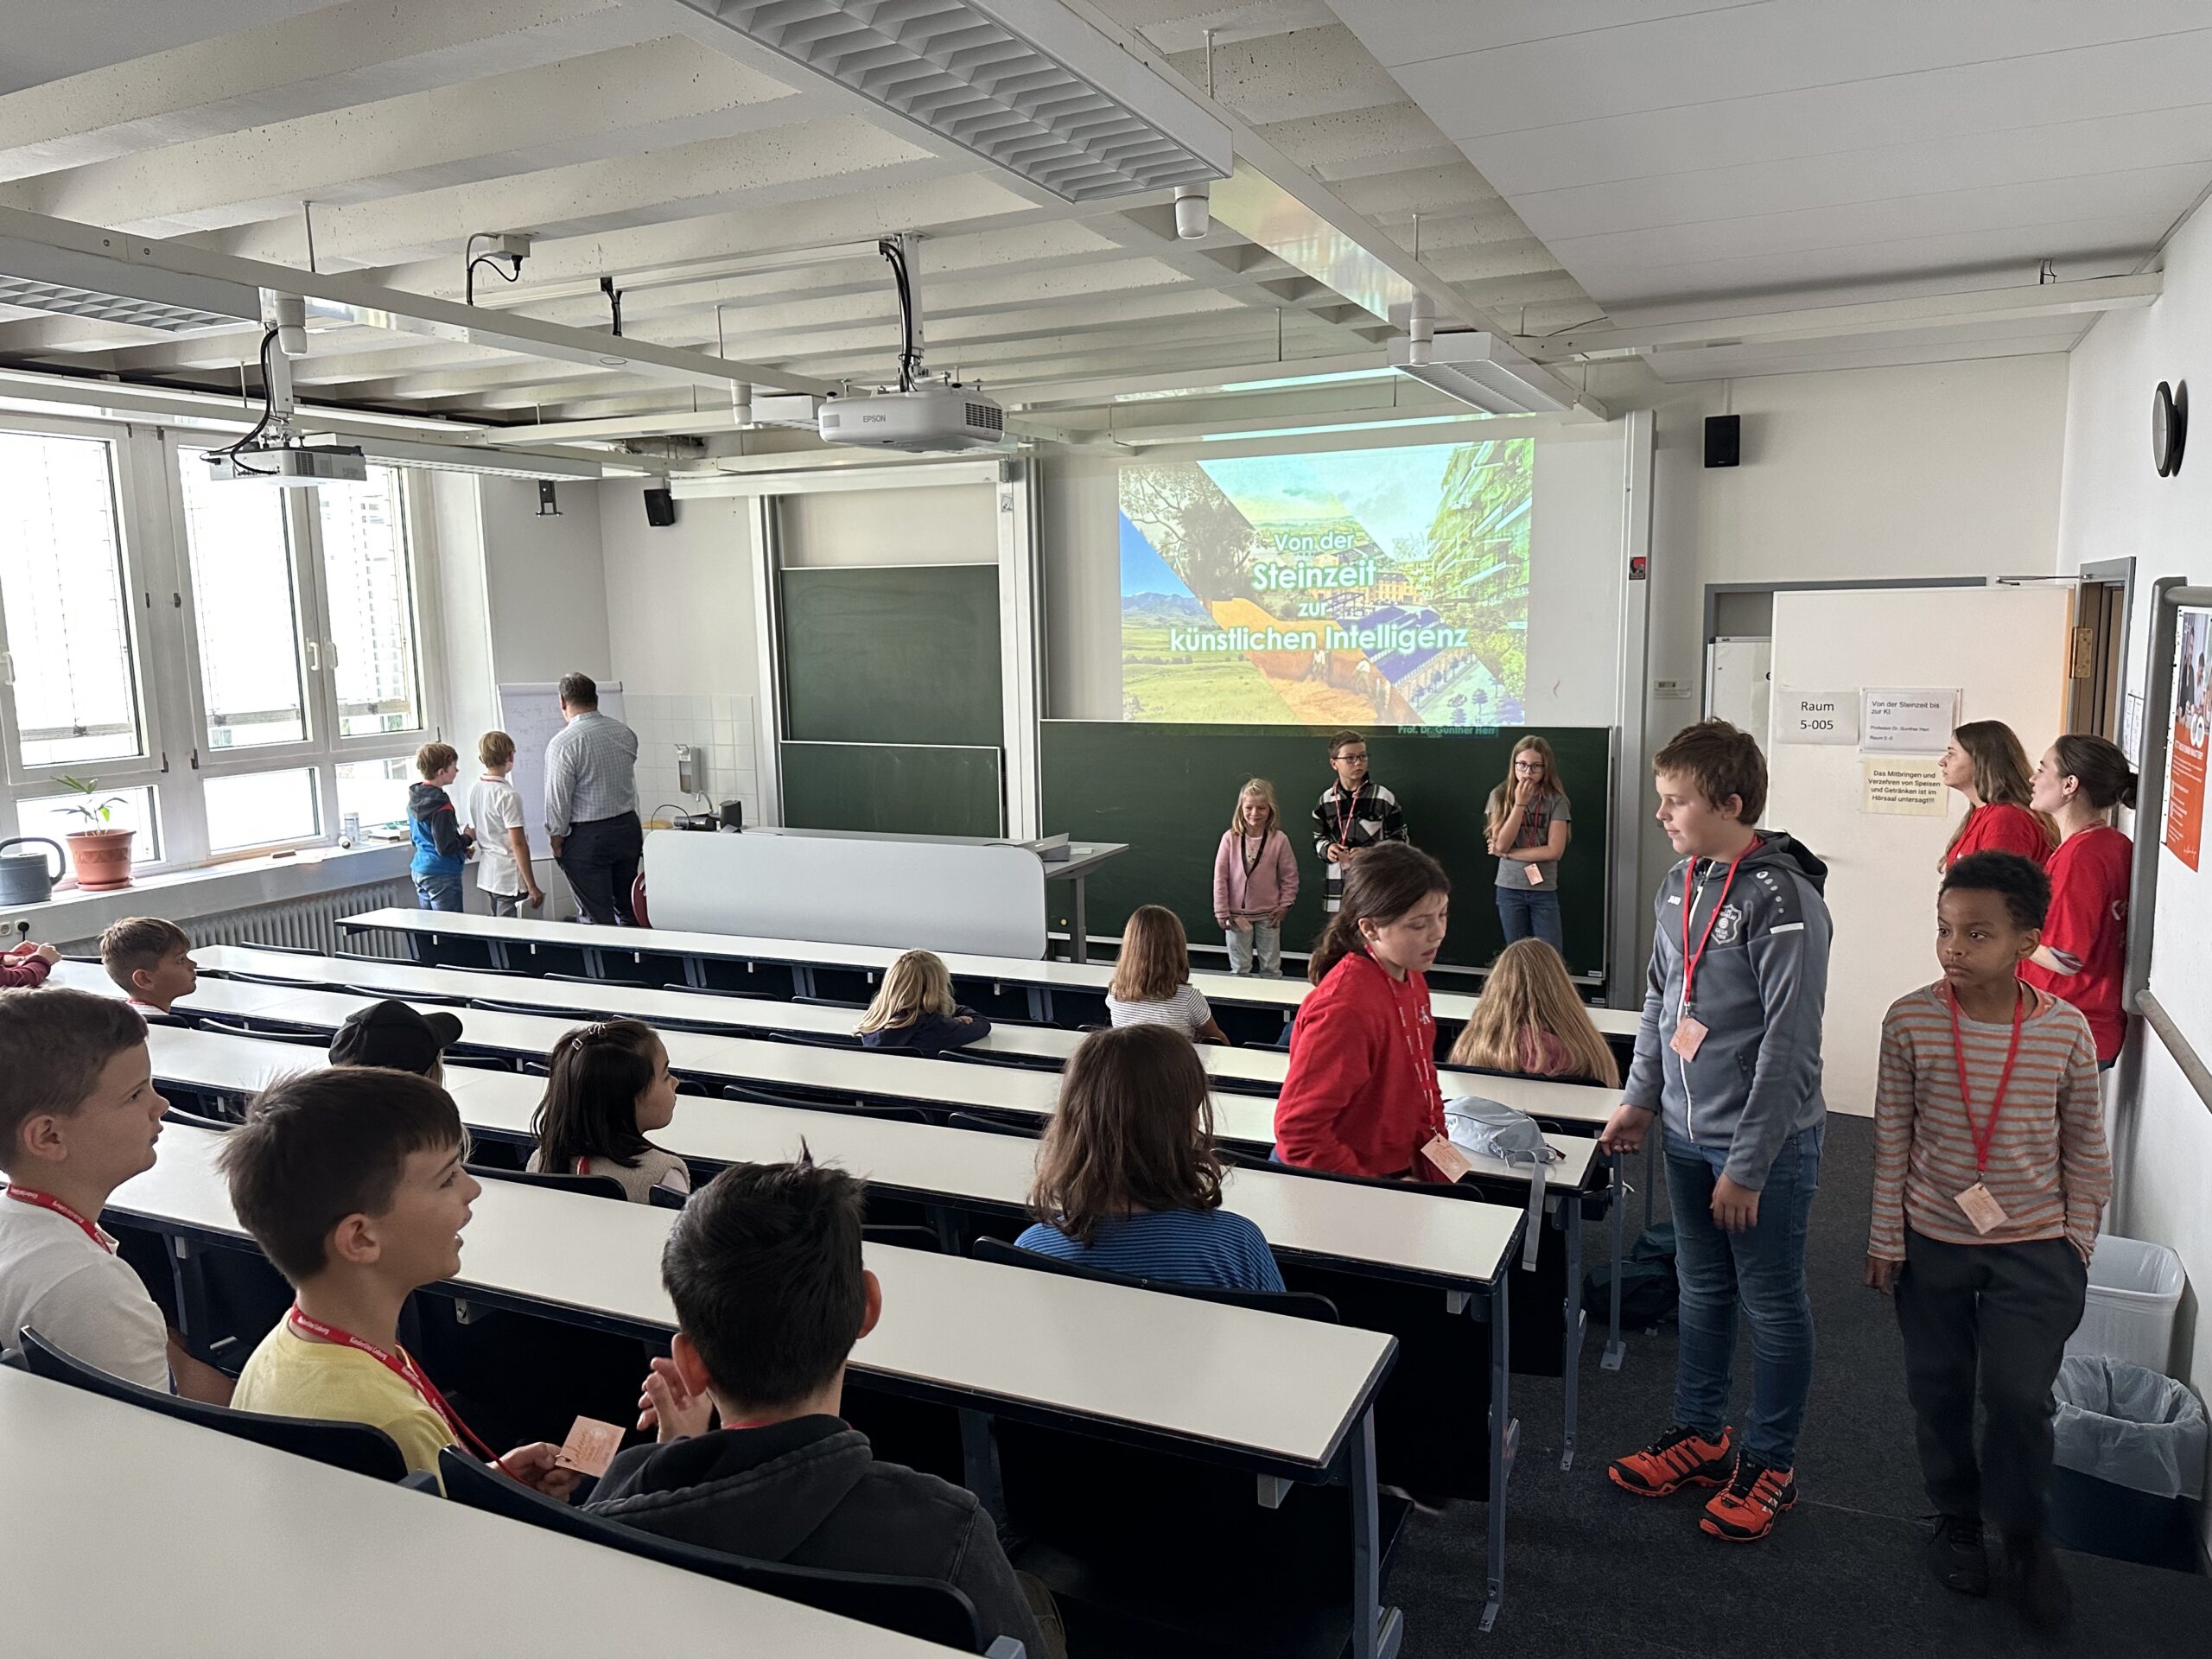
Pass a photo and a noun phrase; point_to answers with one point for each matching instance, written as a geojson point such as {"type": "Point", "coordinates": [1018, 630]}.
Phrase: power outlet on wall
{"type": "Point", "coordinates": [1678, 689]}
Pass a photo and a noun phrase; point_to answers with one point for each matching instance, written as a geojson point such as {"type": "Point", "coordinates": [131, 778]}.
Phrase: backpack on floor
{"type": "Point", "coordinates": [1649, 1295]}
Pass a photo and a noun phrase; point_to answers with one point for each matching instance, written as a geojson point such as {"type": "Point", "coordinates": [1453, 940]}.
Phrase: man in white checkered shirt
{"type": "Point", "coordinates": [591, 804]}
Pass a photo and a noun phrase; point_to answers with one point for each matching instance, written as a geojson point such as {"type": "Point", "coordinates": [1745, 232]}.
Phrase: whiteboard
{"type": "Point", "coordinates": [530, 714]}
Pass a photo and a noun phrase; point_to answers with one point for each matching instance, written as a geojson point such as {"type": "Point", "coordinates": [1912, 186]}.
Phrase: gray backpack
{"type": "Point", "coordinates": [1489, 1128]}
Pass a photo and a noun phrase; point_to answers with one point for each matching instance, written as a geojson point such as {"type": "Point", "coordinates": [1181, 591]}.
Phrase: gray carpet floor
{"type": "Point", "coordinates": [1590, 1570]}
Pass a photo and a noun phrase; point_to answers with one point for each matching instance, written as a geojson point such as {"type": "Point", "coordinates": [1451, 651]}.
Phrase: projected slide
{"type": "Point", "coordinates": [1388, 586]}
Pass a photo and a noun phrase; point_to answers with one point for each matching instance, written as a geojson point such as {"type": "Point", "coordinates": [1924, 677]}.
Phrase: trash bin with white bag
{"type": "Point", "coordinates": [2130, 1453]}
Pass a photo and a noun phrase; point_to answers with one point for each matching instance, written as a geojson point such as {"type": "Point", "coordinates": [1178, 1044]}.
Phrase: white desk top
{"type": "Point", "coordinates": [99, 1495]}
{"type": "Point", "coordinates": [1238, 1118]}
{"type": "Point", "coordinates": [1274, 1389]}
{"type": "Point", "coordinates": [1568, 1103]}
{"type": "Point", "coordinates": [1284, 994]}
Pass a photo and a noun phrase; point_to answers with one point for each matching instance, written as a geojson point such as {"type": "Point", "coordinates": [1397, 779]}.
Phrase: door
{"type": "Point", "coordinates": [2008, 652]}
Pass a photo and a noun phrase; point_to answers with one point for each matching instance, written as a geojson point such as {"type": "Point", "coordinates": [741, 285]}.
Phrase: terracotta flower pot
{"type": "Point", "coordinates": [101, 858]}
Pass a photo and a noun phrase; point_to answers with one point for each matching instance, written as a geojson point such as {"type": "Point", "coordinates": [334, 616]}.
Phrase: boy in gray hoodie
{"type": "Point", "coordinates": [764, 1267]}
{"type": "Point", "coordinates": [1728, 1058]}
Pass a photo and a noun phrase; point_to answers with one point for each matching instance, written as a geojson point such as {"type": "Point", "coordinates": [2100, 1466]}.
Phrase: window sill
{"type": "Point", "coordinates": [236, 883]}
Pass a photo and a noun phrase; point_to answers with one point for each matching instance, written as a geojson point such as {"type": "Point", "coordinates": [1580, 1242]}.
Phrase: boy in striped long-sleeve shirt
{"type": "Point", "coordinates": [1990, 1175]}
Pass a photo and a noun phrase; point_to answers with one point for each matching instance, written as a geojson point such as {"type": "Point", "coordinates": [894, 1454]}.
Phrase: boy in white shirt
{"type": "Point", "coordinates": [150, 959]}
{"type": "Point", "coordinates": [78, 1116]}
{"type": "Point", "coordinates": [503, 868]}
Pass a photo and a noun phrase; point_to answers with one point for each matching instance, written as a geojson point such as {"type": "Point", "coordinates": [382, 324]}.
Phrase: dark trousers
{"type": "Point", "coordinates": [601, 861]}
{"type": "Point", "coordinates": [2011, 1308]}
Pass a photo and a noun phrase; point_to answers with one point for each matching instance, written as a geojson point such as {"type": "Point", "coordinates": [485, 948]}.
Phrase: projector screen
{"type": "Point", "coordinates": [1371, 586]}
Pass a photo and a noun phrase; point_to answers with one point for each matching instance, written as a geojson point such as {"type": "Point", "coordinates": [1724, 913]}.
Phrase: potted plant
{"type": "Point", "coordinates": [100, 852]}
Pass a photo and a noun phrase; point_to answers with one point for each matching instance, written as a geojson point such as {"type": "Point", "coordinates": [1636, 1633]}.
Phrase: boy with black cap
{"type": "Point", "coordinates": [391, 1034]}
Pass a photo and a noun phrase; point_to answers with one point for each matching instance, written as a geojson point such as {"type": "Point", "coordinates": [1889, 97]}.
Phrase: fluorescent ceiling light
{"type": "Point", "coordinates": [1025, 84]}
{"type": "Point", "coordinates": [494, 463]}
{"type": "Point", "coordinates": [116, 287]}
{"type": "Point", "coordinates": [1313, 431]}
{"type": "Point", "coordinates": [1483, 371]}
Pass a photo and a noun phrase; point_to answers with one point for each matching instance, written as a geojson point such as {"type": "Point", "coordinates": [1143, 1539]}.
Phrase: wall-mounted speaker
{"type": "Point", "coordinates": [1723, 440]}
{"type": "Point", "coordinates": [660, 508]}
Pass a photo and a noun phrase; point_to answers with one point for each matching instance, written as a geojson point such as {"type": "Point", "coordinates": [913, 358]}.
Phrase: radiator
{"type": "Point", "coordinates": [302, 923]}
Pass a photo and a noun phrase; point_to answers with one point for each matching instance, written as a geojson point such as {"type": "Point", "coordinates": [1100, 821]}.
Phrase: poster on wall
{"type": "Point", "coordinates": [1911, 787]}
{"type": "Point", "coordinates": [1908, 721]}
{"type": "Point", "coordinates": [2185, 760]}
{"type": "Point", "coordinates": [1387, 586]}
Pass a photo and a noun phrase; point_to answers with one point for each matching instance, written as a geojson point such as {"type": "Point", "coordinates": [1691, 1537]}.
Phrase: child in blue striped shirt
{"type": "Point", "coordinates": [1127, 1181]}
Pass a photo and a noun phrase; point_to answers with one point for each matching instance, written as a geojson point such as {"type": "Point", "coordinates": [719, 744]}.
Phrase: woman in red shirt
{"type": "Point", "coordinates": [1361, 1096]}
{"type": "Point", "coordinates": [1985, 763]}
{"type": "Point", "coordinates": [2084, 954]}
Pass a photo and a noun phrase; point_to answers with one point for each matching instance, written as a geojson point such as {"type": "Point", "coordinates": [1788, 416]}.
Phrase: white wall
{"type": "Point", "coordinates": [680, 638]}
{"type": "Point", "coordinates": [545, 581]}
{"type": "Point", "coordinates": [2113, 505]}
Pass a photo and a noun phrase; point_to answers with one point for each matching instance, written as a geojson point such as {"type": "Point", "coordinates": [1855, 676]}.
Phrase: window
{"type": "Point", "coordinates": [369, 591]}
{"type": "Point", "coordinates": [247, 606]}
{"type": "Point", "coordinates": [49, 816]}
{"type": "Point", "coordinates": [376, 791]}
{"type": "Point", "coordinates": [71, 656]}
{"type": "Point", "coordinates": [259, 809]}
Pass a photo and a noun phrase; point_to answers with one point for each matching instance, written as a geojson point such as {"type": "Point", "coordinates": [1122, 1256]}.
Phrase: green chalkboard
{"type": "Point", "coordinates": [892, 789]}
{"type": "Point", "coordinates": [893, 654]}
{"type": "Point", "coordinates": [1168, 791]}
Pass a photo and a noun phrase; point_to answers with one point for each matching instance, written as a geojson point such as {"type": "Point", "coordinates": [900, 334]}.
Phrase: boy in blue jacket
{"type": "Point", "coordinates": [1728, 1057]}
{"type": "Point", "coordinates": [441, 846]}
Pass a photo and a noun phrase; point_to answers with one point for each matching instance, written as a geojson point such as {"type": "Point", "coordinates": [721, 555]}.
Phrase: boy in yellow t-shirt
{"type": "Point", "coordinates": [351, 1182]}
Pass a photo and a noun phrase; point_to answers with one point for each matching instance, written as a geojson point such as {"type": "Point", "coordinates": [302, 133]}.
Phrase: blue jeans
{"type": "Point", "coordinates": [1529, 913]}
{"type": "Point", "coordinates": [438, 891]}
{"type": "Point", "coordinates": [1765, 1268]}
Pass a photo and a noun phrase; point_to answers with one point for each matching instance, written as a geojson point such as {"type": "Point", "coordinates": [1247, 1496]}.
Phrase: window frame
{"type": "Point", "coordinates": [145, 467]}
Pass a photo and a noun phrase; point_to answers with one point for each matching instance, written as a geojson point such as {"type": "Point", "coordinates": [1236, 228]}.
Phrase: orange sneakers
{"type": "Point", "coordinates": [1746, 1511]}
{"type": "Point", "coordinates": [1680, 1458]}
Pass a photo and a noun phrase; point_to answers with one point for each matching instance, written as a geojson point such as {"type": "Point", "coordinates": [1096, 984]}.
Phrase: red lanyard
{"type": "Point", "coordinates": [47, 1201]}
{"type": "Point", "coordinates": [1691, 958]}
{"type": "Point", "coordinates": [1424, 1063]}
{"type": "Point", "coordinates": [1347, 812]}
{"type": "Point", "coordinates": [1987, 1133]}
{"type": "Point", "coordinates": [402, 1366]}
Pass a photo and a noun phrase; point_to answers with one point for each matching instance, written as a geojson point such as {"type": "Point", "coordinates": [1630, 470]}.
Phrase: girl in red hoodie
{"type": "Point", "coordinates": [1361, 1097]}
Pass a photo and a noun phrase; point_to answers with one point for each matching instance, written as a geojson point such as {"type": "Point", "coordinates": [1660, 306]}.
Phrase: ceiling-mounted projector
{"type": "Point", "coordinates": [295, 465]}
{"type": "Point", "coordinates": [916, 415]}
{"type": "Point", "coordinates": [937, 416]}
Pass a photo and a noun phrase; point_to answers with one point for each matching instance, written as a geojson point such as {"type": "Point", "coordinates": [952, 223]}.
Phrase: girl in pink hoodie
{"type": "Point", "coordinates": [1255, 882]}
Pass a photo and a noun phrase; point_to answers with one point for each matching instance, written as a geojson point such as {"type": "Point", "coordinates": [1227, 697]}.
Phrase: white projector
{"type": "Point", "coordinates": [928, 418]}
{"type": "Point", "coordinates": [293, 466]}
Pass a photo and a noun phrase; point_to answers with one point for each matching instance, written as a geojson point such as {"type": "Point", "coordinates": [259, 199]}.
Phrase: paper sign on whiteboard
{"type": "Point", "coordinates": [1909, 721]}
{"type": "Point", "coordinates": [1814, 717]}
{"type": "Point", "coordinates": [1904, 788]}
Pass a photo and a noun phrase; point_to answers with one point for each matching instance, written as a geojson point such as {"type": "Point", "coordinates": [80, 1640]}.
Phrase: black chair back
{"type": "Point", "coordinates": [717, 990]}
{"type": "Point", "coordinates": [760, 1096]}
{"type": "Point", "coordinates": [927, 1609]}
{"type": "Point", "coordinates": [280, 950]}
{"type": "Point", "coordinates": [593, 1186]}
{"type": "Point", "coordinates": [814, 1039]}
{"type": "Point", "coordinates": [1012, 1062]}
{"type": "Point", "coordinates": [267, 1034]}
{"type": "Point", "coordinates": [831, 1002]}
{"type": "Point", "coordinates": [901, 1236]}
{"type": "Point", "coordinates": [666, 1197]}
{"type": "Point", "coordinates": [355, 1446]}
{"type": "Point", "coordinates": [541, 1010]}
{"type": "Point", "coordinates": [288, 982]}
{"type": "Point", "coordinates": [478, 1062]}
{"type": "Point", "coordinates": [195, 1120]}
{"type": "Point", "coordinates": [383, 993]}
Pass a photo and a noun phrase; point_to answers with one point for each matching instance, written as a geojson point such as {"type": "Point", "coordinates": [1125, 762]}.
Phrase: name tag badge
{"type": "Point", "coordinates": [591, 1446]}
{"type": "Point", "coordinates": [1535, 875]}
{"type": "Point", "coordinates": [1448, 1159]}
{"type": "Point", "coordinates": [1688, 1038]}
{"type": "Point", "coordinates": [1981, 1208]}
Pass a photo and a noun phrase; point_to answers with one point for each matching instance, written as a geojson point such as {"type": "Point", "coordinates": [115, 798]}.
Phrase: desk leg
{"type": "Point", "coordinates": [595, 962]}
{"type": "Point", "coordinates": [979, 1462]}
{"type": "Point", "coordinates": [694, 972]}
{"type": "Point", "coordinates": [802, 979]}
{"type": "Point", "coordinates": [1616, 1353]}
{"type": "Point", "coordinates": [1504, 1440]}
{"type": "Point", "coordinates": [1376, 1631]}
{"type": "Point", "coordinates": [1079, 927]}
{"type": "Point", "coordinates": [496, 948]}
{"type": "Point", "coordinates": [1040, 1004]}
{"type": "Point", "coordinates": [1571, 1360]}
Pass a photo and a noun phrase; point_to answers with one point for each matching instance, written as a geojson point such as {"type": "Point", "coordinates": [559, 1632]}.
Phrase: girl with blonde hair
{"type": "Point", "coordinates": [1255, 882]}
{"type": "Point", "coordinates": [914, 1010]}
{"type": "Point", "coordinates": [1528, 832]}
{"type": "Point", "coordinates": [1985, 763]}
{"type": "Point", "coordinates": [1152, 977]}
{"type": "Point", "coordinates": [1529, 1021]}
